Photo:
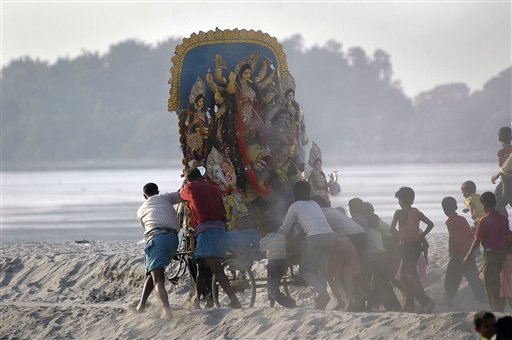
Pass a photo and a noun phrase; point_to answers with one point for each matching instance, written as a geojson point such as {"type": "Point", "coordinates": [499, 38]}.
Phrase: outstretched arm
{"type": "Point", "coordinates": [173, 197]}
{"type": "Point", "coordinates": [219, 65]}
{"type": "Point", "coordinates": [284, 229]}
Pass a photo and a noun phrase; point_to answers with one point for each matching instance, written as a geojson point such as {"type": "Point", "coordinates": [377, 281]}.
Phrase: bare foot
{"type": "Point", "coordinates": [139, 308]}
{"type": "Point", "coordinates": [135, 308]}
{"type": "Point", "coordinates": [136, 304]}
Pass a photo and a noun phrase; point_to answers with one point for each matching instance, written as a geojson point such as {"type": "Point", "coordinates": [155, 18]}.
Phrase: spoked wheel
{"type": "Point", "coordinates": [297, 288]}
{"type": "Point", "coordinates": [175, 269]}
{"type": "Point", "coordinates": [241, 279]}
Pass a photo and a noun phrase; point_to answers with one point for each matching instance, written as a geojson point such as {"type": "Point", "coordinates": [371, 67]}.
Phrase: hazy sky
{"type": "Point", "coordinates": [430, 43]}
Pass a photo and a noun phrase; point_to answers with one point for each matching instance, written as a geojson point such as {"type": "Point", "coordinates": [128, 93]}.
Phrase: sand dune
{"type": "Point", "coordinates": [70, 290]}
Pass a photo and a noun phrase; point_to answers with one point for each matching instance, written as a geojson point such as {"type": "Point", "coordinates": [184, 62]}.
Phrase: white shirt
{"type": "Point", "coordinates": [157, 213]}
{"type": "Point", "coordinates": [341, 223]}
{"type": "Point", "coordinates": [310, 217]}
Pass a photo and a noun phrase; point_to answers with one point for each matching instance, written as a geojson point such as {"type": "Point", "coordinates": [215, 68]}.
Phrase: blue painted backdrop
{"type": "Point", "coordinates": [200, 59]}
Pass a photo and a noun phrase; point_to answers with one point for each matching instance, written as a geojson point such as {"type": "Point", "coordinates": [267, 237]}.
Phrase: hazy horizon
{"type": "Point", "coordinates": [430, 43]}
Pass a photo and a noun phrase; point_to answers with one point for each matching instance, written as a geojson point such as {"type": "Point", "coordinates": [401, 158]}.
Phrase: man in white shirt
{"type": "Point", "coordinates": [159, 220]}
{"type": "Point", "coordinates": [319, 241]}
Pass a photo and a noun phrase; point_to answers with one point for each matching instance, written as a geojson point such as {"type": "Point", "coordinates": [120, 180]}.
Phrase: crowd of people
{"type": "Point", "coordinates": [361, 258]}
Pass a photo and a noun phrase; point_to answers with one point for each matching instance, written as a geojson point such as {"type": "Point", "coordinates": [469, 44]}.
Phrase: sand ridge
{"type": "Point", "coordinates": [72, 290]}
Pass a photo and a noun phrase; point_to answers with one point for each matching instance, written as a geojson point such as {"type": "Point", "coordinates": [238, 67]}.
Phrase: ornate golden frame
{"type": "Point", "coordinates": [215, 37]}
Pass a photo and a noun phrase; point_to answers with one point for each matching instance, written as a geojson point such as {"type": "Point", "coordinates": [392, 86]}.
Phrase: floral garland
{"type": "Point", "coordinates": [229, 137]}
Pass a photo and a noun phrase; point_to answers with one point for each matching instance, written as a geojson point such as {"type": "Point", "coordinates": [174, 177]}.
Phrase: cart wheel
{"type": "Point", "coordinates": [241, 278]}
{"type": "Point", "coordinates": [296, 287]}
{"type": "Point", "coordinates": [175, 269]}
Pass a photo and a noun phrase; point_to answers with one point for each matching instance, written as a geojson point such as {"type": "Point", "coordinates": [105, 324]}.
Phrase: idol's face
{"type": "Point", "coordinates": [247, 74]}
{"type": "Point", "coordinates": [200, 103]}
{"type": "Point", "coordinates": [290, 96]}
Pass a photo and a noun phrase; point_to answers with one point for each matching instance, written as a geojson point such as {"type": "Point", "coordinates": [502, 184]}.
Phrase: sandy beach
{"type": "Point", "coordinates": [84, 291]}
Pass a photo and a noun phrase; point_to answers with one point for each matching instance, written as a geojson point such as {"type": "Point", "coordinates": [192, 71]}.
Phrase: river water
{"type": "Point", "coordinates": [102, 204]}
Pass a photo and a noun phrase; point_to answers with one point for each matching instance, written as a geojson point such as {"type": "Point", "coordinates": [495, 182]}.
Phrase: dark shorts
{"type": "Point", "coordinates": [210, 244]}
{"type": "Point", "coordinates": [159, 251]}
{"type": "Point", "coordinates": [410, 252]}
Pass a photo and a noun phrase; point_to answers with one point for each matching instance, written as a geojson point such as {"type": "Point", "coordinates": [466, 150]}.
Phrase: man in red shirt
{"type": "Point", "coordinates": [494, 234]}
{"type": "Point", "coordinates": [459, 243]}
{"type": "Point", "coordinates": [207, 218]}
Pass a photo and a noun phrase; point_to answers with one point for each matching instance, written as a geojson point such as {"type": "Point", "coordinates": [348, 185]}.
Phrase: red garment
{"type": "Point", "coordinates": [460, 235]}
{"type": "Point", "coordinates": [204, 202]}
{"type": "Point", "coordinates": [493, 231]}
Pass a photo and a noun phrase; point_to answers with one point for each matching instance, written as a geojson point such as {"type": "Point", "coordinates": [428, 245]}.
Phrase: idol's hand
{"type": "Point", "coordinates": [209, 77]}
{"type": "Point", "coordinates": [232, 76]}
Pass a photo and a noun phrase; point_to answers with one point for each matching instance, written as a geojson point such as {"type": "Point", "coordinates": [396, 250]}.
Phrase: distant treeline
{"type": "Point", "coordinates": [112, 109]}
